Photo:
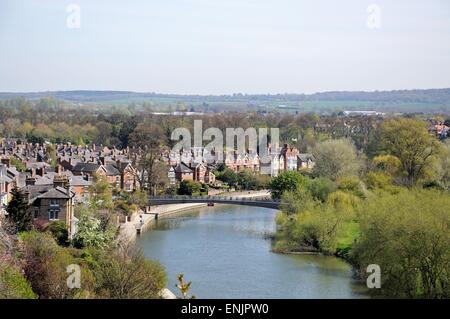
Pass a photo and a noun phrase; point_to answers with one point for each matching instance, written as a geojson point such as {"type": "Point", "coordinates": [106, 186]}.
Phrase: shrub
{"type": "Point", "coordinates": [13, 284]}
{"type": "Point", "coordinates": [60, 232]}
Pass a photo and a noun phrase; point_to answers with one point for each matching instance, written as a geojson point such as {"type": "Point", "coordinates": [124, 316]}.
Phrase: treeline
{"type": "Point", "coordinates": [421, 96]}
{"type": "Point", "coordinates": [392, 210]}
{"type": "Point", "coordinates": [56, 121]}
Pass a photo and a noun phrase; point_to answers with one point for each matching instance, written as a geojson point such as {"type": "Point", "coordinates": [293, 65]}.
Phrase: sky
{"type": "Point", "coordinates": [224, 46]}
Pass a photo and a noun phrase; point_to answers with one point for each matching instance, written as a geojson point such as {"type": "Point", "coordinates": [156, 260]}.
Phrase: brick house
{"type": "Point", "coordinates": [49, 203]}
{"type": "Point", "coordinates": [89, 170]}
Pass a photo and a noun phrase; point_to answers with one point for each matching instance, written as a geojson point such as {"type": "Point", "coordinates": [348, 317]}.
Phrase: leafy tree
{"type": "Point", "coordinates": [18, 212]}
{"type": "Point", "coordinates": [335, 159]}
{"type": "Point", "coordinates": [139, 198]}
{"type": "Point", "coordinates": [188, 187]}
{"type": "Point", "coordinates": [444, 165]}
{"type": "Point", "coordinates": [101, 192]}
{"type": "Point", "coordinates": [407, 235]}
{"type": "Point", "coordinates": [246, 179]}
{"type": "Point", "coordinates": [18, 164]}
{"type": "Point", "coordinates": [321, 187]}
{"type": "Point", "coordinates": [287, 181]}
{"type": "Point", "coordinates": [409, 141]}
{"type": "Point", "coordinates": [90, 232]}
{"type": "Point", "coordinates": [387, 163]}
{"type": "Point", "coordinates": [50, 154]}
{"type": "Point", "coordinates": [227, 176]}
{"type": "Point", "coordinates": [147, 141]}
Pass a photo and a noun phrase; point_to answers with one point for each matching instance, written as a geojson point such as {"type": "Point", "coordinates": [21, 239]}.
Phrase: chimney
{"type": "Point", "coordinates": [41, 171]}
{"type": "Point", "coordinates": [30, 180]}
{"type": "Point", "coordinates": [61, 181]}
{"type": "Point", "coordinates": [102, 160]}
{"type": "Point", "coordinates": [58, 169]}
{"type": "Point", "coordinates": [33, 172]}
{"type": "Point", "coordinates": [6, 161]}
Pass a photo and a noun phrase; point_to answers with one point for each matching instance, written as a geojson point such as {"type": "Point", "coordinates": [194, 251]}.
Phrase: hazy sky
{"type": "Point", "coordinates": [224, 46]}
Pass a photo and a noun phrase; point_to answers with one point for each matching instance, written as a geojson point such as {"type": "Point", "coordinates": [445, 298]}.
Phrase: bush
{"type": "Point", "coordinates": [60, 232]}
{"type": "Point", "coordinates": [13, 284]}
{"type": "Point", "coordinates": [376, 180]}
{"type": "Point", "coordinates": [45, 266]}
{"type": "Point", "coordinates": [352, 185]}
{"type": "Point", "coordinates": [125, 273]}
{"type": "Point", "coordinates": [320, 188]}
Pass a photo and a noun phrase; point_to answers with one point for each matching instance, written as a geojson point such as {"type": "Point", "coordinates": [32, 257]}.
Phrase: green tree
{"type": "Point", "coordinates": [188, 187]}
{"type": "Point", "coordinates": [227, 176]}
{"type": "Point", "coordinates": [335, 159]}
{"type": "Point", "coordinates": [90, 232]}
{"type": "Point", "coordinates": [18, 164]}
{"type": "Point", "coordinates": [287, 181]}
{"type": "Point", "coordinates": [101, 193]}
{"type": "Point", "coordinates": [18, 212]}
{"type": "Point", "coordinates": [321, 187]}
{"type": "Point", "coordinates": [246, 179]}
{"type": "Point", "coordinates": [407, 235]}
{"type": "Point", "coordinates": [50, 154]}
{"type": "Point", "coordinates": [409, 141]}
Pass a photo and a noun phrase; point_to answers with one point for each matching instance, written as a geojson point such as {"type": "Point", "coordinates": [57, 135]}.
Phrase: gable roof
{"type": "Point", "coordinates": [112, 170]}
{"type": "Point", "coordinates": [183, 168]}
{"type": "Point", "coordinates": [46, 191]}
{"type": "Point", "coordinates": [86, 167]}
{"type": "Point", "coordinates": [305, 157]}
{"type": "Point", "coordinates": [56, 193]}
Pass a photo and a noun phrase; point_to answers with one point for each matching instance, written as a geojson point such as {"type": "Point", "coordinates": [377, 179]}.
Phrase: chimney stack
{"type": "Point", "coordinates": [30, 180]}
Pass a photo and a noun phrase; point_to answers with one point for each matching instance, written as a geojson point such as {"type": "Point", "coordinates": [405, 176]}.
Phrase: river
{"type": "Point", "coordinates": [225, 252]}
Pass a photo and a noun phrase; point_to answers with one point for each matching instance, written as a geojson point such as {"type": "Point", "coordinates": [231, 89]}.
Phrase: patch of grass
{"type": "Point", "coordinates": [345, 241]}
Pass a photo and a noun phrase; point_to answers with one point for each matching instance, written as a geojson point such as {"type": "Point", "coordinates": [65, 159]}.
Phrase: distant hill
{"type": "Point", "coordinates": [430, 100]}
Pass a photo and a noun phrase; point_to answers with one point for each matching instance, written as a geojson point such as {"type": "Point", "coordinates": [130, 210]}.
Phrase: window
{"type": "Point", "coordinates": [53, 214]}
{"type": "Point", "coordinates": [54, 202]}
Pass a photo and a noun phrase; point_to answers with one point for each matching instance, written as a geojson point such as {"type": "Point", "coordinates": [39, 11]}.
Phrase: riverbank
{"type": "Point", "coordinates": [128, 231]}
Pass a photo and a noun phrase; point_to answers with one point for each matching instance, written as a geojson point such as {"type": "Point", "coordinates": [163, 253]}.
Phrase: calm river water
{"type": "Point", "coordinates": [225, 252]}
